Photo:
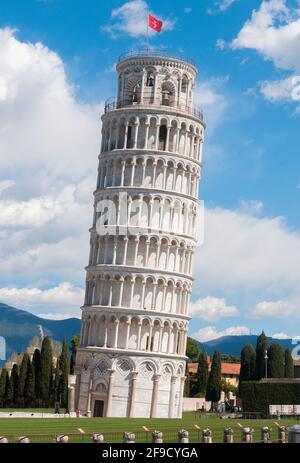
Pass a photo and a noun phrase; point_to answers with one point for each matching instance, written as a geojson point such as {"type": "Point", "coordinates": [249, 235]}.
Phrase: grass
{"type": "Point", "coordinates": [43, 429]}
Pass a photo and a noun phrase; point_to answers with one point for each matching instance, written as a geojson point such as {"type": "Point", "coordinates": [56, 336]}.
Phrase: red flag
{"type": "Point", "coordinates": [154, 23]}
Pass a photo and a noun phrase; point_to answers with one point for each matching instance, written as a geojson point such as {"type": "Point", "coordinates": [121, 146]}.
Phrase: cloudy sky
{"type": "Point", "coordinates": [56, 70]}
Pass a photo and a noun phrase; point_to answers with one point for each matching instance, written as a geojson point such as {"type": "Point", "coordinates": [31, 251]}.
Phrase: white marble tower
{"type": "Point", "coordinates": [131, 358]}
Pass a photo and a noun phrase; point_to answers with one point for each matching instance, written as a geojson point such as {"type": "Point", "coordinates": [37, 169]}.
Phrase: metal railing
{"type": "Point", "coordinates": [114, 103]}
{"type": "Point", "coordinates": [155, 53]}
{"type": "Point", "coordinates": [169, 435]}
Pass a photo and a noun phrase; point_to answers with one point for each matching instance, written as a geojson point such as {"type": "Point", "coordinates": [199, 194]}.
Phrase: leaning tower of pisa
{"type": "Point", "coordinates": [131, 357]}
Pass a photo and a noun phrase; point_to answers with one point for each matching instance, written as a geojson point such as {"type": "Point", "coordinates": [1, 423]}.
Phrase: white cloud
{"type": "Point", "coordinates": [220, 6]}
{"type": "Point", "coordinates": [251, 207]}
{"type": "Point", "coordinates": [273, 309]}
{"type": "Point", "coordinates": [281, 336]}
{"type": "Point", "coordinates": [210, 96]}
{"type": "Point", "coordinates": [64, 296]}
{"type": "Point", "coordinates": [6, 184]}
{"type": "Point", "coordinates": [131, 19]}
{"type": "Point", "coordinates": [249, 255]}
{"type": "Point", "coordinates": [210, 332]}
{"type": "Point", "coordinates": [274, 32]}
{"type": "Point", "coordinates": [49, 144]}
{"type": "Point", "coordinates": [212, 309]}
{"type": "Point", "coordinates": [188, 10]}
{"type": "Point", "coordinates": [281, 90]}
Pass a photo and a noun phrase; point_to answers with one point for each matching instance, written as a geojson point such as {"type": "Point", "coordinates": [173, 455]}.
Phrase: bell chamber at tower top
{"type": "Point", "coordinates": [156, 81]}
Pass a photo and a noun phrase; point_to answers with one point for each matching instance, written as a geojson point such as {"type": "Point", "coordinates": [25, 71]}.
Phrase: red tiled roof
{"type": "Point", "coordinates": [226, 368]}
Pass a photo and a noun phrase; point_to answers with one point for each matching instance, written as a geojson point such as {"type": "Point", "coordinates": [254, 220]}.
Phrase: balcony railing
{"type": "Point", "coordinates": [114, 103]}
{"type": "Point", "coordinates": [155, 53]}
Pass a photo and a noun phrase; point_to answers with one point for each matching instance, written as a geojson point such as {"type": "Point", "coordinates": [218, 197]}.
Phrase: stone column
{"type": "Point", "coordinates": [128, 323]}
{"type": "Point", "coordinates": [136, 131]}
{"type": "Point", "coordinates": [122, 173]}
{"type": "Point", "coordinates": [146, 136]}
{"type": "Point", "coordinates": [143, 294]}
{"type": "Point", "coordinates": [115, 249]}
{"type": "Point", "coordinates": [121, 292]}
{"type": "Point", "coordinates": [150, 337]}
{"type": "Point", "coordinates": [154, 396]}
{"type": "Point", "coordinates": [147, 252]}
{"type": "Point", "coordinates": [132, 172]}
{"type": "Point", "coordinates": [126, 135]}
{"type": "Point", "coordinates": [105, 334]}
{"type": "Point", "coordinates": [117, 322]}
{"type": "Point", "coordinates": [89, 399]}
{"type": "Point", "coordinates": [71, 399]}
{"type": "Point", "coordinates": [157, 136]}
{"type": "Point", "coordinates": [133, 393]}
{"type": "Point", "coordinates": [154, 175]}
{"type": "Point", "coordinates": [168, 137]}
{"type": "Point", "coordinates": [125, 250]}
{"type": "Point", "coordinates": [182, 381]}
{"type": "Point", "coordinates": [139, 335]}
{"type": "Point", "coordinates": [109, 393]}
{"type": "Point", "coordinates": [172, 397]}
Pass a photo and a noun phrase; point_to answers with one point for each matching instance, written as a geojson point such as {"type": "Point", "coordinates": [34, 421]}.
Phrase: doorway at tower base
{"type": "Point", "coordinates": [121, 386]}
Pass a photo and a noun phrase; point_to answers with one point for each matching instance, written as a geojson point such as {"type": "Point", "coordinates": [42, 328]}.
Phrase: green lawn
{"type": "Point", "coordinates": [43, 430]}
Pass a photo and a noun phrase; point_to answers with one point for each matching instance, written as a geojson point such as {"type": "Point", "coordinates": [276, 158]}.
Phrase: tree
{"type": "Point", "coordinates": [288, 364]}
{"type": "Point", "coordinates": [261, 348]}
{"type": "Point", "coordinates": [247, 372]}
{"type": "Point", "coordinates": [202, 372]}
{"type": "Point", "coordinates": [74, 344]}
{"type": "Point", "coordinates": [46, 369]}
{"type": "Point", "coordinates": [36, 362]}
{"type": "Point", "coordinates": [3, 378]}
{"type": "Point", "coordinates": [29, 392]}
{"type": "Point", "coordinates": [23, 375]}
{"type": "Point", "coordinates": [213, 391]}
{"type": "Point", "coordinates": [14, 380]}
{"type": "Point", "coordinates": [187, 384]}
{"type": "Point", "coordinates": [9, 390]}
{"type": "Point", "coordinates": [64, 372]}
{"type": "Point", "coordinates": [192, 348]}
{"type": "Point", "coordinates": [275, 361]}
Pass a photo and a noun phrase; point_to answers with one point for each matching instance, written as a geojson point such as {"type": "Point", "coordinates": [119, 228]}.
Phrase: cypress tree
{"type": "Point", "coordinates": [3, 378]}
{"type": "Point", "coordinates": [56, 385]}
{"type": "Point", "coordinates": [247, 372]}
{"type": "Point", "coordinates": [202, 372]}
{"type": "Point", "coordinates": [14, 380]}
{"type": "Point", "coordinates": [29, 392]}
{"type": "Point", "coordinates": [36, 362]}
{"type": "Point", "coordinates": [23, 376]}
{"type": "Point", "coordinates": [213, 391]}
{"type": "Point", "coordinates": [64, 371]}
{"type": "Point", "coordinates": [46, 369]}
{"type": "Point", "coordinates": [275, 361]}
{"type": "Point", "coordinates": [9, 390]}
{"type": "Point", "coordinates": [74, 344]}
{"type": "Point", "coordinates": [261, 347]}
{"type": "Point", "coordinates": [288, 364]}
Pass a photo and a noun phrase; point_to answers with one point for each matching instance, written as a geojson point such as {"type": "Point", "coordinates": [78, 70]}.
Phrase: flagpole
{"type": "Point", "coordinates": [148, 31]}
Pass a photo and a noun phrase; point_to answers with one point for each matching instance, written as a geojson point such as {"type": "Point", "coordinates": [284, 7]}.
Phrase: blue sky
{"type": "Point", "coordinates": [57, 69]}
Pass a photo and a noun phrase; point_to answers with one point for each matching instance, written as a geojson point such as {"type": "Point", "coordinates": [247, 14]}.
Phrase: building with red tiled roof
{"type": "Point", "coordinates": [229, 371]}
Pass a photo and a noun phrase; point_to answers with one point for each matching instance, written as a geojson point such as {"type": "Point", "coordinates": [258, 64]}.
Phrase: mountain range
{"type": "Point", "coordinates": [18, 327]}
{"type": "Point", "coordinates": [234, 344]}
